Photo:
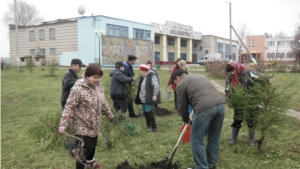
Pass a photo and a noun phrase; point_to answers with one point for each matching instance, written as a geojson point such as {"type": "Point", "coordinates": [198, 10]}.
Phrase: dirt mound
{"type": "Point", "coordinates": [154, 165]}
{"type": "Point", "coordinates": [161, 112]}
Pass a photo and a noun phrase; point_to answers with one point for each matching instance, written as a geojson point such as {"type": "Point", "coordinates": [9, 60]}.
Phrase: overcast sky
{"type": "Point", "coordinates": [211, 17]}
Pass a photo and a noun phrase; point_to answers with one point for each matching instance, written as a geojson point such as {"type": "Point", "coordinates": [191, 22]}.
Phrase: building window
{"type": "Point", "coordinates": [52, 34]}
{"type": "Point", "coordinates": [31, 35]}
{"type": "Point", "coordinates": [249, 39]}
{"type": "Point", "coordinates": [183, 43]}
{"type": "Point", "coordinates": [157, 56]}
{"type": "Point", "coordinates": [141, 34]}
{"type": "Point", "coordinates": [171, 41]}
{"type": "Point", "coordinates": [278, 55]}
{"type": "Point", "coordinates": [220, 47]}
{"type": "Point", "coordinates": [288, 55]}
{"type": "Point", "coordinates": [206, 51]}
{"type": "Point", "coordinates": [282, 55]}
{"type": "Point", "coordinates": [170, 57]}
{"type": "Point", "coordinates": [269, 56]}
{"type": "Point", "coordinates": [270, 43]}
{"type": "Point", "coordinates": [42, 34]}
{"type": "Point", "coordinates": [37, 59]}
{"type": "Point", "coordinates": [42, 51]}
{"type": "Point", "coordinates": [117, 31]}
{"type": "Point", "coordinates": [22, 59]}
{"type": "Point", "coordinates": [157, 40]}
{"type": "Point", "coordinates": [273, 55]}
{"type": "Point", "coordinates": [52, 51]}
{"type": "Point", "coordinates": [200, 48]}
{"type": "Point", "coordinates": [195, 45]}
{"type": "Point", "coordinates": [227, 50]}
{"type": "Point", "coordinates": [252, 39]}
{"type": "Point", "coordinates": [183, 56]}
{"type": "Point", "coordinates": [32, 52]}
{"type": "Point", "coordinates": [292, 56]}
{"type": "Point", "coordinates": [281, 43]}
{"type": "Point", "coordinates": [253, 46]}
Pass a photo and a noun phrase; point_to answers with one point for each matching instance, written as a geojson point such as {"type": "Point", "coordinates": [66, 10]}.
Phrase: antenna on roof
{"type": "Point", "coordinates": [81, 10]}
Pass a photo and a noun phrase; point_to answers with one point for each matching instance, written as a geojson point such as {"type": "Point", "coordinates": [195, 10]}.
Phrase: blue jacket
{"type": "Point", "coordinates": [128, 71]}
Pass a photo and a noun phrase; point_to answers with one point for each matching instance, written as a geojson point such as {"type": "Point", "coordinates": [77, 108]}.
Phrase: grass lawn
{"type": "Point", "coordinates": [26, 97]}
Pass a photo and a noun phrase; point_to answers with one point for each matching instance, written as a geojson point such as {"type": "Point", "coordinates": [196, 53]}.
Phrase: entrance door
{"type": "Point", "coordinates": [194, 58]}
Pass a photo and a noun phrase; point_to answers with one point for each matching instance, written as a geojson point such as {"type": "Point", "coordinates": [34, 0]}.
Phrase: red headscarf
{"type": "Point", "coordinates": [238, 67]}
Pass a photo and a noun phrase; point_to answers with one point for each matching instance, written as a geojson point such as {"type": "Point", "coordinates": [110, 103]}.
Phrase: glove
{"type": "Point", "coordinates": [62, 129]}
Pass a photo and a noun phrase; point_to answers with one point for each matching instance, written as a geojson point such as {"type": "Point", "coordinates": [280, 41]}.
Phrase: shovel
{"type": "Point", "coordinates": [178, 141]}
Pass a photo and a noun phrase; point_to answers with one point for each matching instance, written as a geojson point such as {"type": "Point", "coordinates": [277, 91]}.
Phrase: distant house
{"type": "Point", "coordinates": [211, 44]}
{"type": "Point", "coordinates": [265, 48]}
{"type": "Point", "coordinates": [43, 42]}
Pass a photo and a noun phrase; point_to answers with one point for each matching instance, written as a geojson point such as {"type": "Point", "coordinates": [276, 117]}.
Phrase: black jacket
{"type": "Point", "coordinates": [118, 84]}
{"type": "Point", "coordinates": [68, 82]}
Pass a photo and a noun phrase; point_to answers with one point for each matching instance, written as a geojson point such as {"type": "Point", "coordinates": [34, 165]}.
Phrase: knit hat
{"type": "Point", "coordinates": [119, 64]}
{"type": "Point", "coordinates": [144, 67]}
{"type": "Point", "coordinates": [229, 68]}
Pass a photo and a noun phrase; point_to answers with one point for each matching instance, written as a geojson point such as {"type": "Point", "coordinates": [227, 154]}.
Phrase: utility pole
{"type": "Point", "coordinates": [16, 29]}
{"type": "Point", "coordinates": [230, 54]}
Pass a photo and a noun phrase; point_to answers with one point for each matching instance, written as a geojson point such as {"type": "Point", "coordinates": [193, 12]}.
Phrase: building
{"type": "Point", "coordinates": [43, 43]}
{"type": "Point", "coordinates": [119, 39]}
{"type": "Point", "coordinates": [265, 48]}
{"type": "Point", "coordinates": [64, 39]}
{"type": "Point", "coordinates": [211, 44]}
{"type": "Point", "coordinates": [256, 46]}
{"type": "Point", "coordinates": [174, 40]}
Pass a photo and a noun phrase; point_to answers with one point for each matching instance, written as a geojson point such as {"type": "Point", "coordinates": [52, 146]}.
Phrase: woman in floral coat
{"type": "Point", "coordinates": [83, 108]}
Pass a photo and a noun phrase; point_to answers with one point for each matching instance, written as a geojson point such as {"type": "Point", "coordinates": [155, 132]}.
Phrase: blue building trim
{"type": "Point", "coordinates": [88, 42]}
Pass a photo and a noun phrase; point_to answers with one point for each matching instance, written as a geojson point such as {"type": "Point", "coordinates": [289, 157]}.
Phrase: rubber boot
{"type": "Point", "coordinates": [92, 164]}
{"type": "Point", "coordinates": [251, 139]}
{"type": "Point", "coordinates": [235, 133]}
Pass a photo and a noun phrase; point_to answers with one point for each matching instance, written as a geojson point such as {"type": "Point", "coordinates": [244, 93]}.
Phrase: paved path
{"type": "Point", "coordinates": [289, 112]}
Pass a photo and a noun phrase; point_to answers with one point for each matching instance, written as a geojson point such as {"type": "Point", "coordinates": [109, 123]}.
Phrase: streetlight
{"type": "Point", "coordinates": [230, 54]}
{"type": "Point", "coordinates": [99, 37]}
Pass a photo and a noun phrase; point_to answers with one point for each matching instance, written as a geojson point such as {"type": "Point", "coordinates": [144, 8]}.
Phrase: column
{"type": "Point", "coordinates": [189, 50]}
{"type": "Point", "coordinates": [177, 48]}
{"type": "Point", "coordinates": [163, 49]}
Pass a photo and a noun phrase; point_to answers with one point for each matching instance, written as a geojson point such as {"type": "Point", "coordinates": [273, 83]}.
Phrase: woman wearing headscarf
{"type": "Point", "coordinates": [239, 75]}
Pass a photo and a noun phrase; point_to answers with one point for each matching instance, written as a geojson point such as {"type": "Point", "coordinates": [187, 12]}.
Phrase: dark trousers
{"type": "Point", "coordinates": [120, 104]}
{"type": "Point", "coordinates": [130, 109]}
{"type": "Point", "coordinates": [238, 119]}
{"type": "Point", "coordinates": [150, 119]}
{"type": "Point", "coordinates": [89, 147]}
{"type": "Point", "coordinates": [175, 99]}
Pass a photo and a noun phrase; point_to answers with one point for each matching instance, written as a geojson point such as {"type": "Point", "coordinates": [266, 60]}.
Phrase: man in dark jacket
{"type": "Point", "coordinates": [128, 71]}
{"type": "Point", "coordinates": [209, 108]}
{"type": "Point", "coordinates": [118, 90]}
{"type": "Point", "coordinates": [69, 80]}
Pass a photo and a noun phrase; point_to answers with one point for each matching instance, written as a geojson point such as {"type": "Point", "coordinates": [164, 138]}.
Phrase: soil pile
{"type": "Point", "coordinates": [154, 165]}
{"type": "Point", "coordinates": [161, 112]}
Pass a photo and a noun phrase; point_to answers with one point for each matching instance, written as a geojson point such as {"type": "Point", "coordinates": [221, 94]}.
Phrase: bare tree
{"type": "Point", "coordinates": [27, 14]}
{"type": "Point", "coordinates": [296, 43]}
{"type": "Point", "coordinates": [280, 34]}
{"type": "Point", "coordinates": [243, 31]}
